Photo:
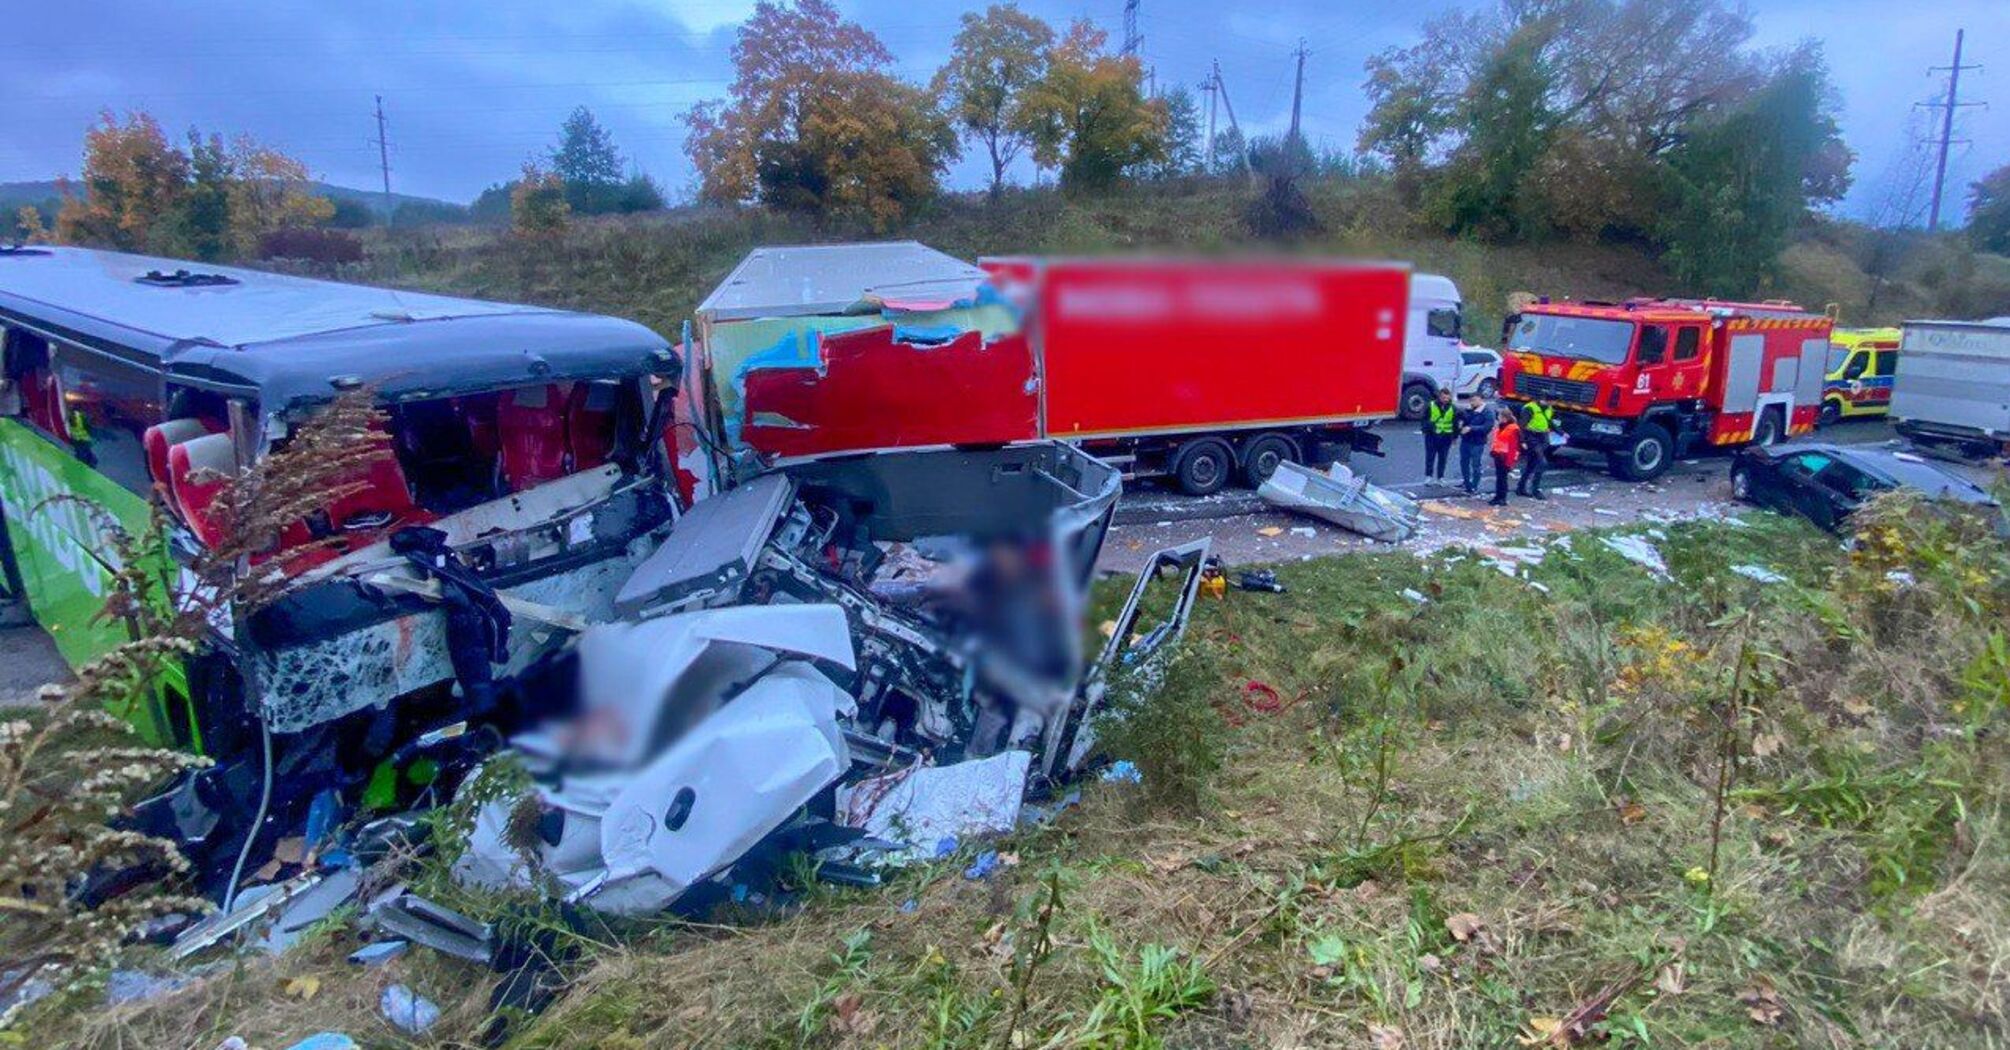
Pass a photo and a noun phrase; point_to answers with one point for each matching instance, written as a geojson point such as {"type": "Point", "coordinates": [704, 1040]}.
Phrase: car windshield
{"type": "Point", "coordinates": [1590, 338]}
{"type": "Point", "coordinates": [1837, 355]}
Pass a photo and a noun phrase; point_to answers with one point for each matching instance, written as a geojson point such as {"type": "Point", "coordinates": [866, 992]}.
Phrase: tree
{"type": "Point", "coordinates": [1229, 150]}
{"type": "Point", "coordinates": [1280, 209]}
{"type": "Point", "coordinates": [269, 191]}
{"type": "Point", "coordinates": [814, 122]}
{"type": "Point", "coordinates": [1089, 116]}
{"type": "Point", "coordinates": [133, 183]}
{"type": "Point", "coordinates": [1182, 136]}
{"type": "Point", "coordinates": [1988, 212]}
{"type": "Point", "coordinates": [29, 227]}
{"type": "Point", "coordinates": [1742, 179]}
{"type": "Point", "coordinates": [995, 59]}
{"type": "Point", "coordinates": [587, 162]}
{"type": "Point", "coordinates": [1506, 111]}
{"type": "Point", "coordinates": [204, 220]}
{"type": "Point", "coordinates": [537, 204]}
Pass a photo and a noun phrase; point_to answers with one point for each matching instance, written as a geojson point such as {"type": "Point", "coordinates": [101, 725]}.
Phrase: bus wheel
{"type": "Point", "coordinates": [1646, 455]}
{"type": "Point", "coordinates": [1203, 465]}
{"type": "Point", "coordinates": [1262, 454]}
{"type": "Point", "coordinates": [1831, 413]}
{"type": "Point", "coordinates": [1768, 430]}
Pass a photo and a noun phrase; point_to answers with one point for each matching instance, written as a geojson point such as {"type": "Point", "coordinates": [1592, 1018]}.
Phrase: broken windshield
{"type": "Point", "coordinates": [1589, 338]}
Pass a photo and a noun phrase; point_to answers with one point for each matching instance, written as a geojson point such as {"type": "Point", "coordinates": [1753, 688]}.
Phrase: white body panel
{"type": "Point", "coordinates": [1433, 357]}
{"type": "Point", "coordinates": [1954, 376]}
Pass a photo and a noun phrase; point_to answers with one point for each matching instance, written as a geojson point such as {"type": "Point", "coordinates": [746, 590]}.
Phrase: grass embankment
{"type": "Point", "coordinates": [1702, 811]}
{"type": "Point", "coordinates": [657, 268]}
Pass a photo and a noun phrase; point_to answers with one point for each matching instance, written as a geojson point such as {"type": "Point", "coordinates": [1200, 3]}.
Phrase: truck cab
{"type": "Point", "coordinates": [1432, 341]}
{"type": "Point", "coordinates": [1647, 380]}
{"type": "Point", "coordinates": [1862, 365]}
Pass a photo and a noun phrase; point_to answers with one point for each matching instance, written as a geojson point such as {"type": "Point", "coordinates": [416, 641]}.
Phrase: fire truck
{"type": "Point", "coordinates": [1646, 381]}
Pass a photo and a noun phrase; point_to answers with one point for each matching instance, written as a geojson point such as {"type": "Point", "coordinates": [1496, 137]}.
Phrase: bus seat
{"type": "Point", "coordinates": [159, 437]}
{"type": "Point", "coordinates": [589, 423]}
{"type": "Point", "coordinates": [478, 414]}
{"type": "Point", "coordinates": [385, 499]}
{"type": "Point", "coordinates": [211, 452]}
{"type": "Point", "coordinates": [530, 426]}
{"type": "Point", "coordinates": [44, 401]}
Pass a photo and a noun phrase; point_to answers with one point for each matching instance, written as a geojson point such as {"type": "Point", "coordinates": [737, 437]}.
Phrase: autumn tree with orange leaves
{"type": "Point", "coordinates": [1088, 116]}
{"type": "Point", "coordinates": [142, 193]}
{"type": "Point", "coordinates": [815, 122]}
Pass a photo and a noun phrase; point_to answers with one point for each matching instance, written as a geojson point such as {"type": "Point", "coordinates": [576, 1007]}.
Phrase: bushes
{"type": "Point", "coordinates": [311, 244]}
{"type": "Point", "coordinates": [1173, 733]}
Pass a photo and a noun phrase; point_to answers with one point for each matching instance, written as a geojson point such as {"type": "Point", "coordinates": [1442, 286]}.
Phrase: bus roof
{"type": "Point", "coordinates": [288, 338]}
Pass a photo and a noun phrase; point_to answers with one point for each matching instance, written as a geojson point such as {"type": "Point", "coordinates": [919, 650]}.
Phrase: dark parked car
{"type": "Point", "coordinates": [1825, 483]}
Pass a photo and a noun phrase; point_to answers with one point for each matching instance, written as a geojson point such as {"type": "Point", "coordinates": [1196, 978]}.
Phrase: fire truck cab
{"type": "Point", "coordinates": [1648, 380]}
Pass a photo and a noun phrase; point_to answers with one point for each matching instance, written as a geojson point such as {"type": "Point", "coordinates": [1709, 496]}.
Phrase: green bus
{"type": "Point", "coordinates": [526, 474]}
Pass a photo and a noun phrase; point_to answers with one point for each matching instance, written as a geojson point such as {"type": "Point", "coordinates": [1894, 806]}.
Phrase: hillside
{"type": "Point", "coordinates": [47, 191]}
{"type": "Point", "coordinates": [655, 268]}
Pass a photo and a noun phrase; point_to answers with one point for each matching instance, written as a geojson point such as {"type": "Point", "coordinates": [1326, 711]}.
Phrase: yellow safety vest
{"type": "Point", "coordinates": [1445, 422]}
{"type": "Point", "coordinates": [1539, 418]}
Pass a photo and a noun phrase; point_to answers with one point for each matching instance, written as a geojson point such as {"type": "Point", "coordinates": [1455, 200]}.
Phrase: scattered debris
{"type": "Point", "coordinates": [137, 986]}
{"type": "Point", "coordinates": [1339, 497]}
{"type": "Point", "coordinates": [982, 867]}
{"type": "Point", "coordinates": [324, 1041]}
{"type": "Point", "coordinates": [1416, 596]}
{"type": "Point", "coordinates": [410, 917]}
{"type": "Point", "coordinates": [1759, 573]}
{"type": "Point", "coordinates": [1258, 580]}
{"type": "Point", "coordinates": [406, 1009]}
{"type": "Point", "coordinates": [1636, 549]}
{"type": "Point", "coordinates": [1123, 771]}
{"type": "Point", "coordinates": [917, 808]}
{"type": "Point", "coordinates": [379, 952]}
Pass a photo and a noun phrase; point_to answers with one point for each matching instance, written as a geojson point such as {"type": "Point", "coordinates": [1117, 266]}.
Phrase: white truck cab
{"type": "Point", "coordinates": [1431, 348]}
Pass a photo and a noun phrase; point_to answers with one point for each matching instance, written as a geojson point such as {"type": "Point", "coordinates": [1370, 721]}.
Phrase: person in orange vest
{"type": "Point", "coordinates": [1506, 449]}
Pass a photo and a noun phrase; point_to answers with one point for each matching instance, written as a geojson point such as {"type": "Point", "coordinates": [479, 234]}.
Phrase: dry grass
{"type": "Point", "coordinates": [1487, 840]}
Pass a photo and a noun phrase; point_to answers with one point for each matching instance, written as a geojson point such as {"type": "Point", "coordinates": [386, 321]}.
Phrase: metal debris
{"type": "Point", "coordinates": [1339, 497]}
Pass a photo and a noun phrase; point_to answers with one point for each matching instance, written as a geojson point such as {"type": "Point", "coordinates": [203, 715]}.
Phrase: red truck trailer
{"type": "Point", "coordinates": [1649, 380]}
{"type": "Point", "coordinates": [1203, 369]}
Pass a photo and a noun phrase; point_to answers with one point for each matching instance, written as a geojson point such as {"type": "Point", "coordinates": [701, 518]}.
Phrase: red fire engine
{"type": "Point", "coordinates": [1649, 380]}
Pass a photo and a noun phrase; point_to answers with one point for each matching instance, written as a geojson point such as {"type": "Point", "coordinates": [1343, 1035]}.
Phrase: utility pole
{"type": "Point", "coordinates": [1947, 139]}
{"type": "Point", "coordinates": [384, 160]}
{"type": "Point", "coordinates": [1208, 86]}
{"type": "Point", "coordinates": [1229, 108]}
{"type": "Point", "coordinates": [1132, 38]}
{"type": "Point", "coordinates": [1298, 91]}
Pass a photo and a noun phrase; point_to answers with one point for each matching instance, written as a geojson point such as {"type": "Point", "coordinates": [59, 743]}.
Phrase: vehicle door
{"type": "Point", "coordinates": [1794, 490]}
{"type": "Point", "coordinates": [1668, 362]}
{"type": "Point", "coordinates": [1883, 370]}
{"type": "Point", "coordinates": [1853, 381]}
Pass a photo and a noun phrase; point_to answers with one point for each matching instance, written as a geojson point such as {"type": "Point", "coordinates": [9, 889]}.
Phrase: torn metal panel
{"type": "Point", "coordinates": [874, 389]}
{"type": "Point", "coordinates": [410, 917]}
{"type": "Point", "coordinates": [1339, 497]}
{"type": "Point", "coordinates": [631, 841]}
{"type": "Point", "coordinates": [920, 807]}
{"type": "Point", "coordinates": [1134, 649]}
{"type": "Point", "coordinates": [711, 550]}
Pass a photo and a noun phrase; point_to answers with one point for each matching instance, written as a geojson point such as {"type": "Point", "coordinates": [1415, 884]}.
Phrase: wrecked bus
{"type": "Point", "coordinates": [1202, 370]}
{"type": "Point", "coordinates": [516, 489]}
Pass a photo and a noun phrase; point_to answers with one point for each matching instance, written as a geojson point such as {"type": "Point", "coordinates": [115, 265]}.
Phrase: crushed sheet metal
{"type": "Point", "coordinates": [922, 806]}
{"type": "Point", "coordinates": [1340, 497]}
{"type": "Point", "coordinates": [1759, 573]}
{"type": "Point", "coordinates": [410, 917]}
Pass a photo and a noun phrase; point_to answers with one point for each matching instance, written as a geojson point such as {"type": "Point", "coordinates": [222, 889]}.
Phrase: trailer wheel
{"type": "Point", "coordinates": [1769, 428]}
{"type": "Point", "coordinates": [1261, 456]}
{"type": "Point", "coordinates": [1416, 399]}
{"type": "Point", "coordinates": [1646, 455]}
{"type": "Point", "coordinates": [1202, 466]}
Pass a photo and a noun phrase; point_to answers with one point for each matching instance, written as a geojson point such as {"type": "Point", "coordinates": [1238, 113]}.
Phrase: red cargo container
{"type": "Point", "coordinates": [1202, 368]}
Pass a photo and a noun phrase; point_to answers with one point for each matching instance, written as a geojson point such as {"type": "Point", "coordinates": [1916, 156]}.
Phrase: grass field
{"type": "Point", "coordinates": [1581, 803]}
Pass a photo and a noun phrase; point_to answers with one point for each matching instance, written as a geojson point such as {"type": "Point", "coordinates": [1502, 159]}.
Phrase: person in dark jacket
{"type": "Point", "coordinates": [1441, 428]}
{"type": "Point", "coordinates": [1476, 424]}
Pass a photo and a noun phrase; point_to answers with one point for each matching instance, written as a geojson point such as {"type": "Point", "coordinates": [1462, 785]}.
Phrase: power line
{"type": "Point", "coordinates": [1947, 109]}
{"type": "Point", "coordinates": [1132, 38]}
{"type": "Point", "coordinates": [1298, 92]}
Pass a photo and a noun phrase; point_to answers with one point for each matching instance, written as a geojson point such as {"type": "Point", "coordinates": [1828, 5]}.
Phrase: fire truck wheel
{"type": "Point", "coordinates": [1203, 466]}
{"type": "Point", "coordinates": [1646, 455]}
{"type": "Point", "coordinates": [1768, 431]}
{"type": "Point", "coordinates": [1262, 454]}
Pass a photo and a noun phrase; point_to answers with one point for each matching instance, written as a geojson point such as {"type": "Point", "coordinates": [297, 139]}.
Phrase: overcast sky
{"type": "Point", "coordinates": [472, 87]}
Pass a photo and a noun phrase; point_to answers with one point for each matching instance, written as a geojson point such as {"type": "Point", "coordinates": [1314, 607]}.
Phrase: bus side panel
{"type": "Point", "coordinates": [67, 559]}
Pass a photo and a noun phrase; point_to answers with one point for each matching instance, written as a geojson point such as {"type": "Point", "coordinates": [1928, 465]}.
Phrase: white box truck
{"type": "Point", "coordinates": [1953, 384]}
{"type": "Point", "coordinates": [1431, 342]}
